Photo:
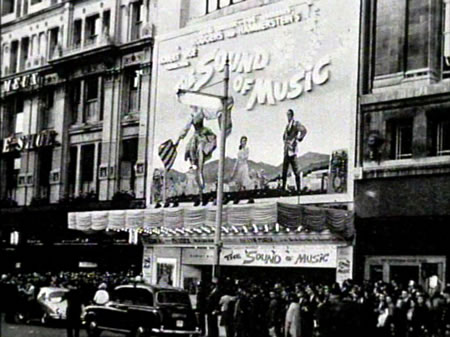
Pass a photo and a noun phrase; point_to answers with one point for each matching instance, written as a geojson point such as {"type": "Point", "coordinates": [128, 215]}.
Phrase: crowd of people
{"type": "Point", "coordinates": [304, 309]}
{"type": "Point", "coordinates": [266, 309]}
{"type": "Point", "coordinates": [19, 290]}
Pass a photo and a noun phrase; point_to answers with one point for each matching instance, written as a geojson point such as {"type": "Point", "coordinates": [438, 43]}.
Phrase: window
{"type": "Point", "coordinates": [52, 52]}
{"type": "Point", "coordinates": [13, 57]}
{"type": "Point", "coordinates": [213, 5]}
{"type": "Point", "coordinates": [137, 296]}
{"type": "Point", "coordinates": [12, 172]}
{"type": "Point", "coordinates": [18, 118]}
{"type": "Point", "coordinates": [72, 169]}
{"type": "Point", "coordinates": [7, 7]}
{"type": "Point", "coordinates": [45, 167]}
{"type": "Point", "coordinates": [136, 20]}
{"type": "Point", "coordinates": [402, 38]}
{"type": "Point", "coordinates": [24, 46]}
{"type": "Point", "coordinates": [87, 168]}
{"type": "Point", "coordinates": [127, 162]}
{"type": "Point", "coordinates": [92, 29]}
{"type": "Point", "coordinates": [35, 1]}
{"type": "Point", "coordinates": [401, 139]}
{"type": "Point", "coordinates": [134, 84]}
{"type": "Point", "coordinates": [106, 23]}
{"type": "Point", "coordinates": [439, 126]}
{"type": "Point", "coordinates": [76, 34]}
{"type": "Point", "coordinates": [48, 117]}
{"type": "Point", "coordinates": [443, 137]}
{"type": "Point", "coordinates": [75, 100]}
{"type": "Point", "coordinates": [42, 45]}
{"type": "Point", "coordinates": [91, 104]}
{"type": "Point", "coordinates": [174, 297]}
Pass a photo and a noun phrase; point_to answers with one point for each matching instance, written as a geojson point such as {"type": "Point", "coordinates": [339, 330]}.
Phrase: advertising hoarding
{"type": "Point", "coordinates": [296, 55]}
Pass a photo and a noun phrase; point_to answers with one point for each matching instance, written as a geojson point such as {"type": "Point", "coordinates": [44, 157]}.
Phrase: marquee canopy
{"type": "Point", "coordinates": [259, 219]}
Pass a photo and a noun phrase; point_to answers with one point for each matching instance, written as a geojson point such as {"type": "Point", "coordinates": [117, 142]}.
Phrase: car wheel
{"type": "Point", "coordinates": [141, 332]}
{"type": "Point", "coordinates": [92, 330]}
{"type": "Point", "coordinates": [45, 319]}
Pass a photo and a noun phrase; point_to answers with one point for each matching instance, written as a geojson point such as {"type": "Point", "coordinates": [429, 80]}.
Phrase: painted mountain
{"type": "Point", "coordinates": [308, 162]}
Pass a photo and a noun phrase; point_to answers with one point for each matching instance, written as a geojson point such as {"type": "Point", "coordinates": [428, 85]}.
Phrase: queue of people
{"type": "Point", "coordinates": [262, 308]}
{"type": "Point", "coordinates": [247, 309]}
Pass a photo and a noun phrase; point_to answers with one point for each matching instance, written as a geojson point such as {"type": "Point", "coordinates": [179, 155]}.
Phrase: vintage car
{"type": "Point", "coordinates": [52, 303]}
{"type": "Point", "coordinates": [143, 310]}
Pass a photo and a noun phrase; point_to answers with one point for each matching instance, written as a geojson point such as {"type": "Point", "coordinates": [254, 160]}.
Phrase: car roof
{"type": "Point", "coordinates": [51, 289]}
{"type": "Point", "coordinates": [150, 287]}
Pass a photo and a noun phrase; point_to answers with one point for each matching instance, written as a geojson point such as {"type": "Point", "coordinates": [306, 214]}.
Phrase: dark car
{"type": "Point", "coordinates": [144, 310]}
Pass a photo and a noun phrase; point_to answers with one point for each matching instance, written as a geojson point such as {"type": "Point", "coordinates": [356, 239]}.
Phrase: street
{"type": "Point", "coordinates": [37, 330]}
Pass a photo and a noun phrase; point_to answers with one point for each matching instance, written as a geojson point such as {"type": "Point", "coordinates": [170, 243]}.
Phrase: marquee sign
{"type": "Point", "coordinates": [313, 256]}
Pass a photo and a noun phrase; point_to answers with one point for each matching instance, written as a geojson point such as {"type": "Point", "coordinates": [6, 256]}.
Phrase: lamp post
{"type": "Point", "coordinates": [220, 175]}
{"type": "Point", "coordinates": [214, 102]}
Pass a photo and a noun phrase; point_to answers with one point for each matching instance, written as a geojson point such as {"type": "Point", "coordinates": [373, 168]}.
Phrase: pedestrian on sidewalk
{"type": "Point", "coordinates": [73, 312]}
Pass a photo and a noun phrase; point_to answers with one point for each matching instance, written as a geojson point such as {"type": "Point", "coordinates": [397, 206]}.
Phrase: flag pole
{"type": "Point", "coordinates": [220, 178]}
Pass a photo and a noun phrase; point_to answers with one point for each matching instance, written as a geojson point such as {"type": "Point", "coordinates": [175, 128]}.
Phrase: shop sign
{"type": "Point", "coordinates": [29, 142]}
{"type": "Point", "coordinates": [20, 82]}
{"type": "Point", "coordinates": [313, 256]}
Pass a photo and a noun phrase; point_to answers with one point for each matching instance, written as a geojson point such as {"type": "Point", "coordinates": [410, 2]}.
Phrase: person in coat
{"type": "Point", "coordinates": [293, 134]}
{"type": "Point", "coordinates": [73, 311]}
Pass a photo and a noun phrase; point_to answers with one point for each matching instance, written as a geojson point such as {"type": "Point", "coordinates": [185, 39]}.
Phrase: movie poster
{"type": "Point", "coordinates": [293, 88]}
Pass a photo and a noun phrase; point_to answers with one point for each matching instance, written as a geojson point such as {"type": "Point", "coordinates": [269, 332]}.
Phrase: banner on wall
{"type": "Point", "coordinates": [344, 267]}
{"type": "Point", "coordinates": [312, 256]}
{"type": "Point", "coordinates": [295, 55]}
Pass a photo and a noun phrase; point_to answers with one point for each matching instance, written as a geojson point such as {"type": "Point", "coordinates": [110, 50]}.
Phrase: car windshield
{"type": "Point", "coordinates": [173, 297]}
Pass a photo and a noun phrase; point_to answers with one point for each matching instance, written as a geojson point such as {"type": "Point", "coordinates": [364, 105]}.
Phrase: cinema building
{"type": "Point", "coordinates": [402, 184]}
{"type": "Point", "coordinates": [73, 127]}
{"type": "Point", "coordinates": [282, 55]}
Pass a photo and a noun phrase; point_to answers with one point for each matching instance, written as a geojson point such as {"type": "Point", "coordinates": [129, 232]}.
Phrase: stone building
{"type": "Point", "coordinates": [402, 184]}
{"type": "Point", "coordinates": [75, 77]}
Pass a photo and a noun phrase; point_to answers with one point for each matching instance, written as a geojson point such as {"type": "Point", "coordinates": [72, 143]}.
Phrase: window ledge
{"type": "Point", "coordinates": [407, 167]}
{"type": "Point", "coordinates": [79, 128]}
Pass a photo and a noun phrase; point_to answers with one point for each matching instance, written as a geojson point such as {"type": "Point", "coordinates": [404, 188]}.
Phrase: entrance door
{"type": "Point", "coordinates": [404, 274]}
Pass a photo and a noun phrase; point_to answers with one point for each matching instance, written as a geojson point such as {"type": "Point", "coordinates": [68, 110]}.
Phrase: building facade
{"type": "Point", "coordinates": [74, 112]}
{"type": "Point", "coordinates": [282, 55]}
{"type": "Point", "coordinates": [402, 183]}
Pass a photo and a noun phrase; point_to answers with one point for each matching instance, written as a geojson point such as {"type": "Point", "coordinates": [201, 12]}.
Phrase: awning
{"type": "Point", "coordinates": [258, 219]}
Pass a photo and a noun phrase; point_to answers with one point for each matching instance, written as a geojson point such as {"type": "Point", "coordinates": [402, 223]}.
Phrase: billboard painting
{"type": "Point", "coordinates": [291, 107]}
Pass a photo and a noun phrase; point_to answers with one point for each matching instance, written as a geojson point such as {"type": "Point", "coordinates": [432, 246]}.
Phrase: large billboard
{"type": "Point", "coordinates": [293, 82]}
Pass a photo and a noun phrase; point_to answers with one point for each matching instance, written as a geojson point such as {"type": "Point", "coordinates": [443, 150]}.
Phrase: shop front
{"type": "Point", "coordinates": [281, 261]}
